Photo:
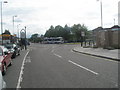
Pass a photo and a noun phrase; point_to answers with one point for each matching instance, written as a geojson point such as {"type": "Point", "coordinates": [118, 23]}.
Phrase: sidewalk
{"type": "Point", "coordinates": [100, 52]}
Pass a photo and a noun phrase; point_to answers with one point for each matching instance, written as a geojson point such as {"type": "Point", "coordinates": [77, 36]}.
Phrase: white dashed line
{"type": "Point", "coordinates": [52, 51]}
{"type": "Point", "coordinates": [58, 55]}
{"type": "Point", "coordinates": [83, 67]}
{"type": "Point", "coordinates": [71, 50]}
{"type": "Point", "coordinates": [21, 72]}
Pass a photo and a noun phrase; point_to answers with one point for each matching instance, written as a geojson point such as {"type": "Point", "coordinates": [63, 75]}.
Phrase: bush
{"type": "Point", "coordinates": [86, 46]}
{"type": "Point", "coordinates": [95, 46]}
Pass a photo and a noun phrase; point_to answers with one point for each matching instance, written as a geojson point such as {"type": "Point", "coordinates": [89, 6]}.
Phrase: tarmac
{"type": "Point", "coordinates": [99, 52]}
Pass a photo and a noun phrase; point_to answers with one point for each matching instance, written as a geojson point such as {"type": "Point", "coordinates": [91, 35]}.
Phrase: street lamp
{"type": "Point", "coordinates": [1, 19]}
{"type": "Point", "coordinates": [13, 22]}
{"type": "Point", "coordinates": [18, 30]}
{"type": "Point", "coordinates": [101, 13]}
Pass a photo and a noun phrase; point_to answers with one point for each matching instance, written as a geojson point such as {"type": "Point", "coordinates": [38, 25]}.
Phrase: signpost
{"type": "Point", "coordinates": [82, 34]}
{"type": "Point", "coordinates": [23, 37]}
{"type": "Point", "coordinates": [83, 38]}
{"type": "Point", "coordinates": [22, 34]}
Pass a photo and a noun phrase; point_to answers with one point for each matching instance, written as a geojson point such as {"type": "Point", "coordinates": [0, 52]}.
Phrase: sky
{"type": "Point", "coordinates": [39, 15]}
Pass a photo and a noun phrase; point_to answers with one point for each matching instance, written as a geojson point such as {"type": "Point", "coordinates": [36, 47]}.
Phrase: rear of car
{"type": "Point", "coordinates": [14, 49]}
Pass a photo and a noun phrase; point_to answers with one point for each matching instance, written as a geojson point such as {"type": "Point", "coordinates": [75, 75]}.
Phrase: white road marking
{"type": "Point", "coordinates": [21, 72]}
{"type": "Point", "coordinates": [58, 55]}
{"type": "Point", "coordinates": [28, 60]}
{"type": "Point", "coordinates": [52, 51]}
{"type": "Point", "coordinates": [72, 51]}
{"type": "Point", "coordinates": [83, 67]}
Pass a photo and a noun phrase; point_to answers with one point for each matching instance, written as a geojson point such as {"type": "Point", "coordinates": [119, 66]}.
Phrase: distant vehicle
{"type": "Point", "coordinates": [5, 59]}
{"type": "Point", "coordinates": [2, 82]}
{"type": "Point", "coordinates": [53, 40]}
{"type": "Point", "coordinates": [13, 48]}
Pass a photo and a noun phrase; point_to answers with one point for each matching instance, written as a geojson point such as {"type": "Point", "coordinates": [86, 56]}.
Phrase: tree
{"type": "Point", "coordinates": [7, 32]}
{"type": "Point", "coordinates": [34, 38]}
{"type": "Point", "coordinates": [77, 31]}
{"type": "Point", "coordinates": [50, 32]}
{"type": "Point", "coordinates": [68, 33]}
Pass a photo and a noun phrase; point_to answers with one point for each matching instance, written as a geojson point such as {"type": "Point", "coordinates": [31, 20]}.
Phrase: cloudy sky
{"type": "Point", "coordinates": [39, 15]}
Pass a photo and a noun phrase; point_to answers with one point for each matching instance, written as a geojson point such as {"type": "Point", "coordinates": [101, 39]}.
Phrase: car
{"type": "Point", "coordinates": [2, 82]}
{"type": "Point", "coordinates": [13, 48]}
{"type": "Point", "coordinates": [5, 59]}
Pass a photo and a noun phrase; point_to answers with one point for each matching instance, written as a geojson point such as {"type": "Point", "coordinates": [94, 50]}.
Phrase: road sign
{"type": "Point", "coordinates": [83, 34]}
{"type": "Point", "coordinates": [22, 34]}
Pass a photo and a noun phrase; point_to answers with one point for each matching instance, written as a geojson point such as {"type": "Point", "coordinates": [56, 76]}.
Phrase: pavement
{"type": "Point", "coordinates": [99, 52]}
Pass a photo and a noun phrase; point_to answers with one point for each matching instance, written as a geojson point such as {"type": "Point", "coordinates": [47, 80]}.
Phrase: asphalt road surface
{"type": "Point", "coordinates": [57, 66]}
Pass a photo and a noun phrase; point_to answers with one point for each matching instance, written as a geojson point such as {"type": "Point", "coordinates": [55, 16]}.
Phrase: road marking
{"type": "Point", "coordinates": [83, 67]}
{"type": "Point", "coordinates": [52, 51]}
{"type": "Point", "coordinates": [58, 55]}
{"type": "Point", "coordinates": [72, 50]}
{"type": "Point", "coordinates": [28, 60]}
{"type": "Point", "coordinates": [21, 72]}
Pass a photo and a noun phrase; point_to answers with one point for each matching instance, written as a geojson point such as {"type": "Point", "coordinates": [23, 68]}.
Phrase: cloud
{"type": "Point", "coordinates": [18, 11]}
{"type": "Point", "coordinates": [39, 15]}
{"type": "Point", "coordinates": [18, 20]}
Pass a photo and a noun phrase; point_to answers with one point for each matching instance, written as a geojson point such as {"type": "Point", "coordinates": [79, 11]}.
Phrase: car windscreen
{"type": "Point", "coordinates": [9, 46]}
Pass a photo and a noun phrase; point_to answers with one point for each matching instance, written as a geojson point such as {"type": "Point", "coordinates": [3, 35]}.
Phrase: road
{"type": "Point", "coordinates": [57, 66]}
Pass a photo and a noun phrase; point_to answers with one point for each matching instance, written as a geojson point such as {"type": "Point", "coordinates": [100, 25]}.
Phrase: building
{"type": "Point", "coordinates": [7, 38]}
{"type": "Point", "coordinates": [107, 37]}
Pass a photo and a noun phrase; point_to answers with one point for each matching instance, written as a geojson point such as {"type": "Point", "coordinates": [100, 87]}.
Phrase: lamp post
{"type": "Point", "coordinates": [101, 13]}
{"type": "Point", "coordinates": [1, 20]}
{"type": "Point", "coordinates": [18, 30]}
{"type": "Point", "coordinates": [25, 40]}
{"type": "Point", "coordinates": [13, 22]}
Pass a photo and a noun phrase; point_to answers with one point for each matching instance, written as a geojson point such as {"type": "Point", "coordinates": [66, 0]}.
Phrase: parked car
{"type": "Point", "coordinates": [2, 82]}
{"type": "Point", "coordinates": [5, 59]}
{"type": "Point", "coordinates": [13, 48]}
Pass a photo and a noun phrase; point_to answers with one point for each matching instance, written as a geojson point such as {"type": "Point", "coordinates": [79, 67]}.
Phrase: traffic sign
{"type": "Point", "coordinates": [83, 34]}
{"type": "Point", "coordinates": [22, 34]}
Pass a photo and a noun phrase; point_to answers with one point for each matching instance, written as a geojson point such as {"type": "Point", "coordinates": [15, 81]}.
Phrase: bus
{"type": "Point", "coordinates": [53, 40]}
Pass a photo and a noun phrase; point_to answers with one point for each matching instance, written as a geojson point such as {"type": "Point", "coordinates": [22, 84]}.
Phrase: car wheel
{"type": "Point", "coordinates": [4, 70]}
{"type": "Point", "coordinates": [14, 55]}
{"type": "Point", "coordinates": [18, 53]}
